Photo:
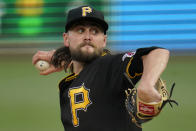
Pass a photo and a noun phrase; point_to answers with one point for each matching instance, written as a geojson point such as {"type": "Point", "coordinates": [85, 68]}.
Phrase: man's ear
{"type": "Point", "coordinates": [65, 38]}
{"type": "Point", "coordinates": [105, 40]}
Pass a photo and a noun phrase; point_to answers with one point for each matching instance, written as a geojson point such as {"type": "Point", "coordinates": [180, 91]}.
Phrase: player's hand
{"type": "Point", "coordinates": [148, 94]}
{"type": "Point", "coordinates": [46, 56]}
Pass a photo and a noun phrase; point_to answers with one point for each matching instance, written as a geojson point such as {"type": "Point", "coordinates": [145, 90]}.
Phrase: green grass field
{"type": "Point", "coordinates": [30, 102]}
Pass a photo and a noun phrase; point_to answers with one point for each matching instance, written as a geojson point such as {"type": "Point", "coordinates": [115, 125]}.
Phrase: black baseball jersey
{"type": "Point", "coordinates": [94, 100]}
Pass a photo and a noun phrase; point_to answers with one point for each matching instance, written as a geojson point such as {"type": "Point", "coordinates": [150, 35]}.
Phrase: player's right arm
{"type": "Point", "coordinates": [46, 56]}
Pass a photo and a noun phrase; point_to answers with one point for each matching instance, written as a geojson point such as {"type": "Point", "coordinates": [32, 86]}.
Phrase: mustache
{"type": "Point", "coordinates": [89, 44]}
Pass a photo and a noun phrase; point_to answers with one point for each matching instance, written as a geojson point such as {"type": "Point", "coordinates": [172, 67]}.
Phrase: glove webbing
{"type": "Point", "coordinates": [169, 100]}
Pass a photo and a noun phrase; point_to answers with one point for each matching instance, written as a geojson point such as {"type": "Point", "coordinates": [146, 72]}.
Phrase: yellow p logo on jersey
{"type": "Point", "coordinates": [82, 105]}
{"type": "Point", "coordinates": [86, 10]}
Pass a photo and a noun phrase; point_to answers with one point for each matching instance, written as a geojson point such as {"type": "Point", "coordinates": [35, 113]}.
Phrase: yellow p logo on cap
{"type": "Point", "coordinates": [86, 10]}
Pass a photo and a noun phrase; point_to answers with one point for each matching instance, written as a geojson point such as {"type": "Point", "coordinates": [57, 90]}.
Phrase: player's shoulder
{"type": "Point", "coordinates": [122, 56]}
{"type": "Point", "coordinates": [119, 56]}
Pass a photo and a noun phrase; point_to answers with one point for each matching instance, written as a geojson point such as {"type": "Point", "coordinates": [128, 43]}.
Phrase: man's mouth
{"type": "Point", "coordinates": [87, 44]}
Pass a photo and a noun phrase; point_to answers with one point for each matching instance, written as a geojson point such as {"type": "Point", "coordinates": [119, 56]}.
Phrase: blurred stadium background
{"type": "Point", "coordinates": [29, 102]}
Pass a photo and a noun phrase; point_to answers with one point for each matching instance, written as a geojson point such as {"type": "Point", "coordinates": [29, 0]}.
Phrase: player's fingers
{"type": "Point", "coordinates": [42, 55]}
{"type": "Point", "coordinates": [50, 70]}
{"type": "Point", "coordinates": [38, 55]}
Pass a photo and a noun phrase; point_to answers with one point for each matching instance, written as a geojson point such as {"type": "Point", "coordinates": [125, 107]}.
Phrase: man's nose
{"type": "Point", "coordinates": [87, 36]}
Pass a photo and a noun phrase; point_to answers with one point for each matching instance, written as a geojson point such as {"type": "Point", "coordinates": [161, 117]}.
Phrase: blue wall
{"type": "Point", "coordinates": [166, 23]}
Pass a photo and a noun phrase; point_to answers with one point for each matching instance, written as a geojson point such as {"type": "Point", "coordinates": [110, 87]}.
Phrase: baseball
{"type": "Point", "coordinates": [42, 65]}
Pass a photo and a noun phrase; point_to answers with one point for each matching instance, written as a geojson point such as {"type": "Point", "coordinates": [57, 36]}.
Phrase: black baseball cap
{"type": "Point", "coordinates": [85, 13]}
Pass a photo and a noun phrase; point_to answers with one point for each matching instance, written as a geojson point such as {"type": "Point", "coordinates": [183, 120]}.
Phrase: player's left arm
{"type": "Point", "coordinates": [154, 64]}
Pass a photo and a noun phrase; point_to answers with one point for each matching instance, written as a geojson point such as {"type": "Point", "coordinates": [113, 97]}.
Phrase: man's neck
{"type": "Point", "coordinates": [77, 67]}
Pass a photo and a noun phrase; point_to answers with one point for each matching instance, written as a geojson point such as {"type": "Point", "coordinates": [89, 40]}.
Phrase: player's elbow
{"type": "Point", "coordinates": [164, 51]}
{"type": "Point", "coordinates": [161, 53]}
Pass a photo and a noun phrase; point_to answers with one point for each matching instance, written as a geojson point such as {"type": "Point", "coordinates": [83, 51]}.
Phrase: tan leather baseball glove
{"type": "Point", "coordinates": [141, 111]}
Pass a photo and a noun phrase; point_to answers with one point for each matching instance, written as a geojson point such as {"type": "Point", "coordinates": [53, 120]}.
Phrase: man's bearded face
{"type": "Point", "coordinates": [86, 41]}
{"type": "Point", "coordinates": [83, 55]}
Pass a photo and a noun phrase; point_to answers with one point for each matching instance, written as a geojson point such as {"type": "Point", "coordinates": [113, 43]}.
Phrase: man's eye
{"type": "Point", "coordinates": [80, 31]}
{"type": "Point", "coordinates": [94, 31]}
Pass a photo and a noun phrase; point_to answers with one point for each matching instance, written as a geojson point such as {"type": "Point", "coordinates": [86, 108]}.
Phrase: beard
{"type": "Point", "coordinates": [85, 57]}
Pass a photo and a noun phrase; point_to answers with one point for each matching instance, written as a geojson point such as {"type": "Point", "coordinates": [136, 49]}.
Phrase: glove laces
{"type": "Point", "coordinates": [169, 100]}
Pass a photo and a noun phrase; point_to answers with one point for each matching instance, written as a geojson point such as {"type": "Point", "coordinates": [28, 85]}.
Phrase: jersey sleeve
{"type": "Point", "coordinates": [133, 64]}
